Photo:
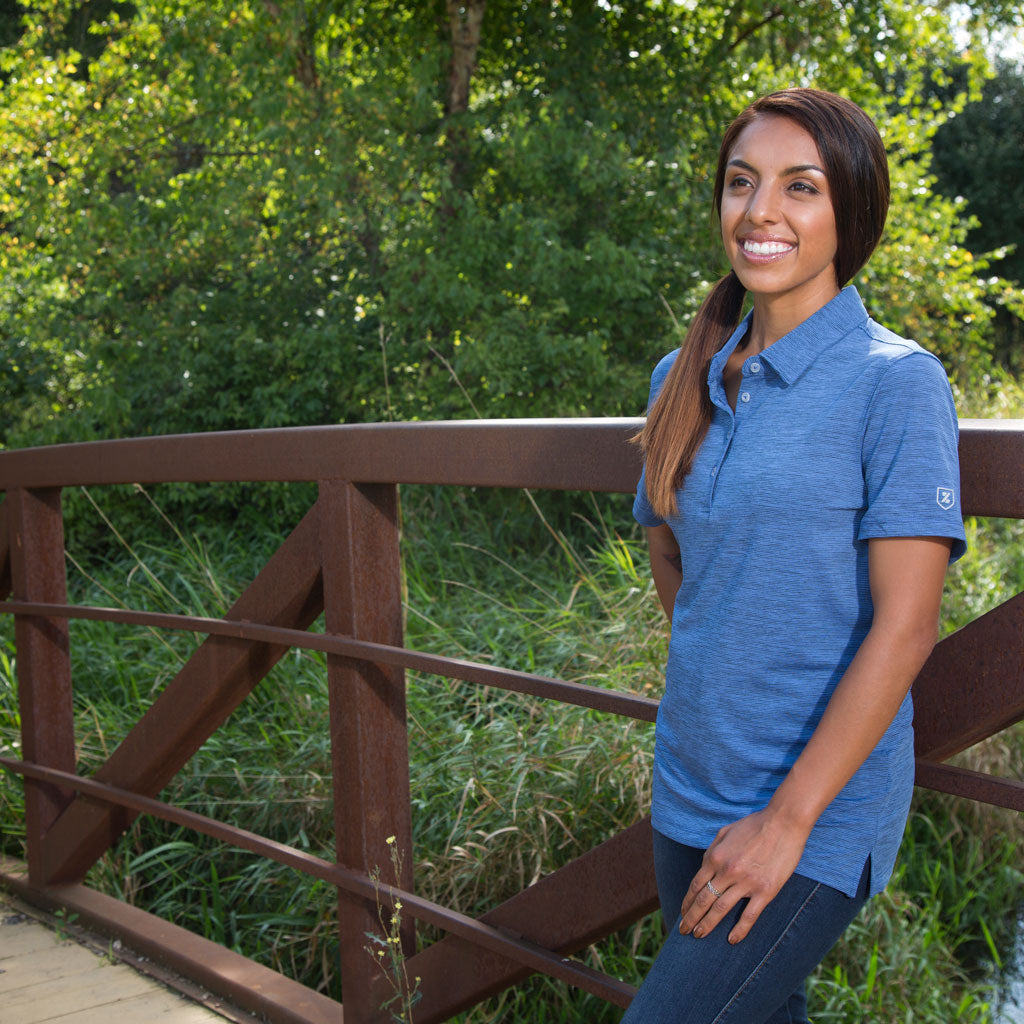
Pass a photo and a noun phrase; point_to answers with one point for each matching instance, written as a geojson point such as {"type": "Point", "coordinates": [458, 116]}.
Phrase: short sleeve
{"type": "Point", "coordinates": [910, 459]}
{"type": "Point", "coordinates": [642, 511]}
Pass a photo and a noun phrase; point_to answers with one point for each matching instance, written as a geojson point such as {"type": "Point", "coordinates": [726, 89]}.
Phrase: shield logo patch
{"type": "Point", "coordinates": [945, 497]}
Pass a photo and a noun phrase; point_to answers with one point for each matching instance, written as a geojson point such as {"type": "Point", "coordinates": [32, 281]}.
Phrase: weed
{"type": "Point", "coordinates": [63, 922]}
{"type": "Point", "coordinates": [386, 949]}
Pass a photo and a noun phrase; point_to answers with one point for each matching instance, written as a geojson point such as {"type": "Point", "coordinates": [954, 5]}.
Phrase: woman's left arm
{"type": "Point", "coordinates": [754, 857]}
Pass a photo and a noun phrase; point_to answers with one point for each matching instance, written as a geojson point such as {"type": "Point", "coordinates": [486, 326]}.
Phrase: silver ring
{"type": "Point", "coordinates": [714, 891]}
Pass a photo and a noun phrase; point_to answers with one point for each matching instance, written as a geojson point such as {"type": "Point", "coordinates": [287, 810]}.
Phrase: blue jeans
{"type": "Point", "coordinates": [759, 980]}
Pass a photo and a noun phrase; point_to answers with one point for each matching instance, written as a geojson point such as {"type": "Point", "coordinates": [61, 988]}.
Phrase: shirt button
{"type": "Point", "coordinates": [755, 367]}
{"type": "Point", "coordinates": [714, 470]}
{"type": "Point", "coordinates": [745, 396]}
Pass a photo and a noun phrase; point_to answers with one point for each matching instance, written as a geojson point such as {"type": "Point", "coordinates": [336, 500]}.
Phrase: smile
{"type": "Point", "coordinates": [766, 248]}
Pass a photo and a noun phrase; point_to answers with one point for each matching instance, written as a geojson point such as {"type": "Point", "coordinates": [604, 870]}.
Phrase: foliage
{"type": "Point", "coordinates": [247, 214]}
{"type": "Point", "coordinates": [979, 155]}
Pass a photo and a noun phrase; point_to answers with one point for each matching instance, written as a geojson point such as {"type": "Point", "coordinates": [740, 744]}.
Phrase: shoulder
{"type": "Point", "coordinates": [898, 364]}
{"type": "Point", "coordinates": [663, 366]}
{"type": "Point", "coordinates": [909, 390]}
{"type": "Point", "coordinates": [661, 372]}
{"type": "Point", "coordinates": [889, 349]}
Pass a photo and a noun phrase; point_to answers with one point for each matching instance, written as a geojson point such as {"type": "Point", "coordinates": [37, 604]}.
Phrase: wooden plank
{"type": "Point", "coordinates": [369, 738]}
{"type": "Point", "coordinates": [44, 966]}
{"type": "Point", "coordinates": [972, 685]}
{"type": "Point", "coordinates": [20, 941]}
{"type": "Point", "coordinates": [59, 995]}
{"type": "Point", "coordinates": [45, 978]}
{"type": "Point", "coordinates": [166, 1008]}
{"type": "Point", "coordinates": [173, 954]}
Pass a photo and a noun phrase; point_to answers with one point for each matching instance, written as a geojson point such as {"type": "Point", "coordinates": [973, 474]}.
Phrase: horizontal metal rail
{"type": "Point", "coordinates": [615, 702]}
{"type": "Point", "coordinates": [524, 952]}
{"type": "Point", "coordinates": [578, 454]}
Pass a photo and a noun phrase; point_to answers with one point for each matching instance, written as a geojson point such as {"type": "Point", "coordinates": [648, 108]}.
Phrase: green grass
{"type": "Point", "coordinates": [505, 787]}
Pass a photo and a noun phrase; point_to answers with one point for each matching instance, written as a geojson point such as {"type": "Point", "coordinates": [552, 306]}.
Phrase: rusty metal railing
{"type": "Point", "coordinates": [342, 560]}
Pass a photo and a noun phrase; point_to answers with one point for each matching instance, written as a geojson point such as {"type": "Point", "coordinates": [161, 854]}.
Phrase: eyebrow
{"type": "Point", "coordinates": [796, 169]}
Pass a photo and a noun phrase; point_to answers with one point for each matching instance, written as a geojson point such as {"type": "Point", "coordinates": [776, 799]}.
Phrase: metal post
{"type": "Point", "coordinates": [369, 737]}
{"type": "Point", "coordinates": [44, 663]}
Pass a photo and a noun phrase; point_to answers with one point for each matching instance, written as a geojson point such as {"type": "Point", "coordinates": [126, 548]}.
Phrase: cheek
{"type": "Point", "coordinates": [728, 215]}
{"type": "Point", "coordinates": [822, 230]}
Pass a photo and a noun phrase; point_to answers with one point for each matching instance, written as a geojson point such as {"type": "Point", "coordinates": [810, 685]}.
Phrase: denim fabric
{"type": "Point", "coordinates": [758, 981]}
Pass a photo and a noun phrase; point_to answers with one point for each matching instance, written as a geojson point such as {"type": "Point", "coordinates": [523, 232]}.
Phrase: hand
{"type": "Point", "coordinates": [751, 859]}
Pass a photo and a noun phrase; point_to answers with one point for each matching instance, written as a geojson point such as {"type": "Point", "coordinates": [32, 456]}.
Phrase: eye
{"type": "Point", "coordinates": [740, 181]}
{"type": "Point", "coordinates": [804, 186]}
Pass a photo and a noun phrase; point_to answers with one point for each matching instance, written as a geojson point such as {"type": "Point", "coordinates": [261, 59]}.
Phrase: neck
{"type": "Point", "coordinates": [777, 315]}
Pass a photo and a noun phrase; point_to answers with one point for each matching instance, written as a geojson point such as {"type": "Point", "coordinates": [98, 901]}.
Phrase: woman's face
{"type": "Point", "coordinates": [777, 221]}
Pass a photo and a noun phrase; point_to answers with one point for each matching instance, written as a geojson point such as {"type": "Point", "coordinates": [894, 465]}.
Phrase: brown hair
{"type": "Point", "coordinates": [858, 178]}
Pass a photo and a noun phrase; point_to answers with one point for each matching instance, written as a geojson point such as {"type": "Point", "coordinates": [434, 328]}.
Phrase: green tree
{"type": "Point", "coordinates": [979, 155]}
{"type": "Point", "coordinates": [275, 212]}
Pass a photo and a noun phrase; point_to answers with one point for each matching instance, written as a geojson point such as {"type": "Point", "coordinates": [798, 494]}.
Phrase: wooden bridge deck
{"type": "Point", "coordinates": [62, 975]}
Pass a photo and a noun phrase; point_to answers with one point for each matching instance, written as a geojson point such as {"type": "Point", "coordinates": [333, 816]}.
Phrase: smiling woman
{"type": "Point", "coordinates": [801, 513]}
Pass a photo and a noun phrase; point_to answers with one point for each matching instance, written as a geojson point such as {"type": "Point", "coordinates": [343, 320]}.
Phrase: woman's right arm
{"type": "Point", "coordinates": [666, 565]}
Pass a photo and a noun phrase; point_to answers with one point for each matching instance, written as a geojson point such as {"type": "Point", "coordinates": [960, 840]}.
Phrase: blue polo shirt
{"type": "Point", "coordinates": [843, 431]}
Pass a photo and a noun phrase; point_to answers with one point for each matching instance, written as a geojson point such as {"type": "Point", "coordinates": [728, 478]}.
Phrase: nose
{"type": "Point", "coordinates": [762, 207]}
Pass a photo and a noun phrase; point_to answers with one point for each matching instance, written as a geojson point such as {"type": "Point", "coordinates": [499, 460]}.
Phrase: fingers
{"type": "Point", "coordinates": [749, 862]}
{"type": "Point", "coordinates": [751, 912]}
{"type": "Point", "coordinates": [702, 910]}
{"type": "Point", "coordinates": [712, 896]}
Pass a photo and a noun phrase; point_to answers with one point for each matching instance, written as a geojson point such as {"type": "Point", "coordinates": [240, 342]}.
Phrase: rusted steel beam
{"type": "Point", "coordinates": [972, 686]}
{"type": "Point", "coordinates": [44, 662]}
{"type": "Point", "coordinates": [986, 789]}
{"type": "Point", "coordinates": [369, 738]}
{"type": "Point", "coordinates": [527, 954]}
{"type": "Point", "coordinates": [618, 875]}
{"type": "Point", "coordinates": [579, 454]}
{"type": "Point", "coordinates": [644, 709]}
{"type": "Point", "coordinates": [245, 983]}
{"type": "Point", "coordinates": [992, 467]}
{"type": "Point", "coordinates": [5, 551]}
{"type": "Point", "coordinates": [575, 454]}
{"type": "Point", "coordinates": [217, 677]}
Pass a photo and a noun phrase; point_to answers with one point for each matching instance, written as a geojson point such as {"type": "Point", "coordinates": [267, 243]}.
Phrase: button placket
{"type": "Point", "coordinates": [750, 380]}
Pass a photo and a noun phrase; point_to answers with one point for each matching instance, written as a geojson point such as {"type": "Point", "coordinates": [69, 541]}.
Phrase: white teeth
{"type": "Point", "coordinates": [766, 248]}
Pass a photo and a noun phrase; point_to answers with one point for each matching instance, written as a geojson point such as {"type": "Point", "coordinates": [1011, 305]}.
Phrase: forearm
{"type": "Point", "coordinates": [906, 587]}
{"type": "Point", "coordinates": [861, 708]}
{"type": "Point", "coordinates": [666, 565]}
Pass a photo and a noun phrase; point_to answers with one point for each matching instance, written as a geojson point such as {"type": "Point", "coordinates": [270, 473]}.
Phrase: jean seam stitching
{"type": "Point", "coordinates": [768, 954]}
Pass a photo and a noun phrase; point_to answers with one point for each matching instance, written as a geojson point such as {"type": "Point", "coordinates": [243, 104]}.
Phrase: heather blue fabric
{"type": "Point", "coordinates": [843, 431]}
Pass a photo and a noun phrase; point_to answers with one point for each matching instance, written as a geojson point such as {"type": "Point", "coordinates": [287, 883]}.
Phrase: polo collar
{"type": "Point", "coordinates": [794, 352]}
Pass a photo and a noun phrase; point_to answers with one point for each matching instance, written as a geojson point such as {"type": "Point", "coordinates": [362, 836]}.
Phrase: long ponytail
{"type": "Point", "coordinates": [681, 414]}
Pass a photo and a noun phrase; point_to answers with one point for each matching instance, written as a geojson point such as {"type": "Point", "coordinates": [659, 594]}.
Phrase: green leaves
{"type": "Point", "coordinates": [254, 214]}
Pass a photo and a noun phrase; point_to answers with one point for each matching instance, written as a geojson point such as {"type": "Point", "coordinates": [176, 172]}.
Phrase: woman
{"type": "Point", "coordinates": [800, 498]}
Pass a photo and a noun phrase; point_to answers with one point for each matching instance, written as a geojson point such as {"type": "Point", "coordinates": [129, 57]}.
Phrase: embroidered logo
{"type": "Point", "coordinates": [945, 497]}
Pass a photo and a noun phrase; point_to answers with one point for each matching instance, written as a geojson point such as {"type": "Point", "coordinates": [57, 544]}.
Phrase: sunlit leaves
{"type": "Point", "coordinates": [253, 213]}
